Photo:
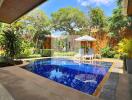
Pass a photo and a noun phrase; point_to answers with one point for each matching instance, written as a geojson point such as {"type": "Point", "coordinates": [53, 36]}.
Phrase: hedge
{"type": "Point", "coordinates": [46, 52]}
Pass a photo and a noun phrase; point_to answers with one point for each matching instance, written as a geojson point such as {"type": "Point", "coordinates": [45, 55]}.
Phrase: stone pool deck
{"type": "Point", "coordinates": [119, 84]}
{"type": "Point", "coordinates": [19, 84]}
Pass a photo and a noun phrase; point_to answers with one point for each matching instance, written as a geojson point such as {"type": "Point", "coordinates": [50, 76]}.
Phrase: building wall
{"type": "Point", "coordinates": [70, 43]}
{"type": "Point", "coordinates": [73, 45]}
{"type": "Point", "coordinates": [47, 43]}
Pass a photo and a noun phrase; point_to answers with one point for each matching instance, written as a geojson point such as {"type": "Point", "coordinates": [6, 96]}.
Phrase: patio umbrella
{"type": "Point", "coordinates": [85, 38]}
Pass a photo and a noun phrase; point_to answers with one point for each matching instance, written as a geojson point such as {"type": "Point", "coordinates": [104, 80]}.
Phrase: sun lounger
{"type": "Point", "coordinates": [90, 54]}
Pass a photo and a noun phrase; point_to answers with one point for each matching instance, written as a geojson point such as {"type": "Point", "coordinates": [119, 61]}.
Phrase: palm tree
{"type": "Point", "coordinates": [11, 43]}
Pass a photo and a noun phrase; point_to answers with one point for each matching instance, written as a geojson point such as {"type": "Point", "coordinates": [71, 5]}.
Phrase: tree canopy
{"type": "Point", "coordinates": [32, 26]}
{"type": "Point", "coordinates": [37, 20]}
{"type": "Point", "coordinates": [118, 21]}
{"type": "Point", "coordinates": [97, 18]}
{"type": "Point", "coordinates": [69, 20]}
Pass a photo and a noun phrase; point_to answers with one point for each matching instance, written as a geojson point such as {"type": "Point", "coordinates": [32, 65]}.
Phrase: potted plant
{"type": "Point", "coordinates": [125, 50]}
{"type": "Point", "coordinates": [128, 47]}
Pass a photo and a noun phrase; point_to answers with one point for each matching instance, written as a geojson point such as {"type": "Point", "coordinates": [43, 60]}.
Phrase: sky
{"type": "Point", "coordinates": [51, 6]}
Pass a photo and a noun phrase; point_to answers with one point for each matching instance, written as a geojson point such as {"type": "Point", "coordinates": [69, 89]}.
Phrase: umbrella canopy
{"type": "Point", "coordinates": [85, 38]}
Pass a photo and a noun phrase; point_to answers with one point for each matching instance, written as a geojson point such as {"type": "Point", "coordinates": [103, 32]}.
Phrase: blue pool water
{"type": "Point", "coordinates": [80, 76]}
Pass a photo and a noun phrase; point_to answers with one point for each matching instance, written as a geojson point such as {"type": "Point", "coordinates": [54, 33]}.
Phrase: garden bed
{"type": "Point", "coordinates": [4, 62]}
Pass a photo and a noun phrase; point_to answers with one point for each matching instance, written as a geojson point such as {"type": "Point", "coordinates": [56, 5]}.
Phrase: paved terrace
{"type": "Point", "coordinates": [19, 84]}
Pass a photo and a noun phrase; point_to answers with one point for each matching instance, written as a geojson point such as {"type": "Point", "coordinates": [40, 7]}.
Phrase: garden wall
{"type": "Point", "coordinates": [102, 41]}
{"type": "Point", "coordinates": [127, 33]}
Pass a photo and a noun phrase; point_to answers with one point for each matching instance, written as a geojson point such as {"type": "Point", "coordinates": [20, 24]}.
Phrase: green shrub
{"type": "Point", "coordinates": [125, 47]}
{"type": "Point", "coordinates": [26, 49]}
{"type": "Point", "coordinates": [11, 43]}
{"type": "Point", "coordinates": [34, 56]}
{"type": "Point", "coordinates": [117, 56]}
{"type": "Point", "coordinates": [46, 52]}
{"type": "Point", "coordinates": [26, 53]}
{"type": "Point", "coordinates": [64, 53]}
{"type": "Point", "coordinates": [108, 52]}
{"type": "Point", "coordinates": [6, 61]}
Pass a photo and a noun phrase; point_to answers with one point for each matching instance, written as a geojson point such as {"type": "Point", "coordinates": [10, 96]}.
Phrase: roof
{"type": "Point", "coordinates": [11, 10]}
{"type": "Point", "coordinates": [85, 38]}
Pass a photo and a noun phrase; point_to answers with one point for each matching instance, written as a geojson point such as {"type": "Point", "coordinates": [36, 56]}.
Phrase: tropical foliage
{"type": "Point", "coordinates": [97, 18]}
{"type": "Point", "coordinates": [46, 52]}
{"type": "Point", "coordinates": [108, 52]}
{"type": "Point", "coordinates": [26, 33]}
{"type": "Point", "coordinates": [26, 49]}
{"type": "Point", "coordinates": [11, 43]}
{"type": "Point", "coordinates": [118, 22]}
{"type": "Point", "coordinates": [125, 47]}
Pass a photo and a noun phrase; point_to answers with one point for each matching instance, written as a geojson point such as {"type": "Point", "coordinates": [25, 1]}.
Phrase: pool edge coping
{"type": "Point", "coordinates": [104, 80]}
{"type": "Point", "coordinates": [97, 91]}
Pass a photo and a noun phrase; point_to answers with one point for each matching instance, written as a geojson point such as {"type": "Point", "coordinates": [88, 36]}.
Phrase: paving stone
{"type": "Point", "coordinates": [24, 85]}
{"type": "Point", "coordinates": [4, 94]}
{"type": "Point", "coordinates": [108, 94]}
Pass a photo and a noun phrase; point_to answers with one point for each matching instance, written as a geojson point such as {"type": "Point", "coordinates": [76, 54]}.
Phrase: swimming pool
{"type": "Point", "coordinates": [80, 76]}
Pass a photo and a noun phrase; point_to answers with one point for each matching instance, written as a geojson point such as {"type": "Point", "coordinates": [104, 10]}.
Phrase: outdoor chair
{"type": "Point", "coordinates": [80, 53]}
{"type": "Point", "coordinates": [90, 54]}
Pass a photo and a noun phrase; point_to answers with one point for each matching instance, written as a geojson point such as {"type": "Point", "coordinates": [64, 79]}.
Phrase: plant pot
{"type": "Point", "coordinates": [124, 62]}
{"type": "Point", "coordinates": [129, 65]}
